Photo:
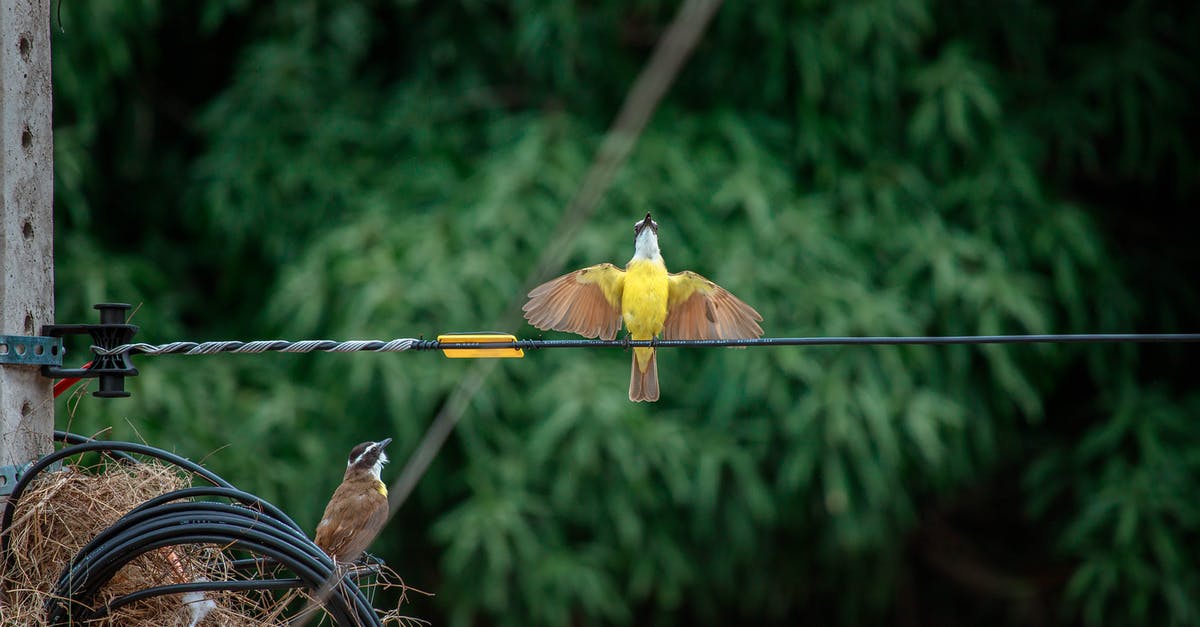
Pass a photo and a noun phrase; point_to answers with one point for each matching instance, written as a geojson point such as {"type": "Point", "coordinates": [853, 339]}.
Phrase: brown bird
{"type": "Point", "coordinates": [681, 306]}
{"type": "Point", "coordinates": [359, 506]}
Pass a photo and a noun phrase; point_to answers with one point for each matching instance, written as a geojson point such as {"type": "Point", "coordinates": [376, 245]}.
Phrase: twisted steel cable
{"type": "Point", "coordinates": [415, 344]}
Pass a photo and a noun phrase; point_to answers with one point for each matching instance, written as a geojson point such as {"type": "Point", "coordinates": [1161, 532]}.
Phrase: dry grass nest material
{"type": "Point", "coordinates": [62, 511]}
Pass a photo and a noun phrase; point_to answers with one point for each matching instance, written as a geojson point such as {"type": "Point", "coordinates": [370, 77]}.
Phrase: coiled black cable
{"type": "Point", "coordinates": [203, 586]}
{"type": "Point", "coordinates": [10, 505]}
{"type": "Point", "coordinates": [230, 493]}
{"type": "Point", "coordinates": [67, 437]}
{"type": "Point", "coordinates": [249, 524]}
{"type": "Point", "coordinates": [229, 526]}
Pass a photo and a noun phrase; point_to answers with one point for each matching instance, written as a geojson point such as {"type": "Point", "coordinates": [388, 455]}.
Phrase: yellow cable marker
{"type": "Point", "coordinates": [480, 338]}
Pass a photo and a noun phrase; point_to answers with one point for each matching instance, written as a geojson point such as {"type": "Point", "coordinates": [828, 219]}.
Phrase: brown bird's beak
{"type": "Point", "coordinates": [384, 442]}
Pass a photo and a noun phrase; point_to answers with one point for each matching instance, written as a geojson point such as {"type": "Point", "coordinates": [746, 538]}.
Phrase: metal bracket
{"type": "Point", "coordinates": [10, 475]}
{"type": "Point", "coordinates": [112, 332]}
{"type": "Point", "coordinates": [30, 350]}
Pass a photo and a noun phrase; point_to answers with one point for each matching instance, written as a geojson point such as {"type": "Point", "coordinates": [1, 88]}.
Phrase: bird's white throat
{"type": "Point", "coordinates": [645, 246]}
{"type": "Point", "coordinates": [378, 467]}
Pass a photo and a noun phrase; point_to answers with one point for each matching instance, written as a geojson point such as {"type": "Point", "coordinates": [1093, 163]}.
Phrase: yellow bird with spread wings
{"type": "Point", "coordinates": [681, 306]}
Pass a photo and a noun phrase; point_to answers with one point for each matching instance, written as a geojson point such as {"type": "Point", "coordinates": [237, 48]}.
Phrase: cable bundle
{"type": "Point", "coordinates": [243, 523]}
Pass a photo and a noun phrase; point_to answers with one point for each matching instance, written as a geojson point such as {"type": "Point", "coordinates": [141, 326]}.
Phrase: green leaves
{"type": "Point", "coordinates": [873, 167]}
{"type": "Point", "coordinates": [1134, 532]}
{"type": "Point", "coordinates": [954, 98]}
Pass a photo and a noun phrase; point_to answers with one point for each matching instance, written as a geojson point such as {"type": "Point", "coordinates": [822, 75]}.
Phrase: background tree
{"type": "Point", "coordinates": [384, 169]}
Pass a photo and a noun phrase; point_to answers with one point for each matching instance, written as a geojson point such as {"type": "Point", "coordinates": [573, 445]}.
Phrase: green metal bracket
{"type": "Point", "coordinates": [31, 350]}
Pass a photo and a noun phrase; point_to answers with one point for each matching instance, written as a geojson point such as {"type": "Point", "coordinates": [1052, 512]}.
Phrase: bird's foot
{"type": "Point", "coordinates": [366, 559]}
{"type": "Point", "coordinates": [361, 567]}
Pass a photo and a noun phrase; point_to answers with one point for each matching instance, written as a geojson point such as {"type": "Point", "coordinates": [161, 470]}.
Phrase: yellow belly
{"type": "Point", "coordinates": [644, 303]}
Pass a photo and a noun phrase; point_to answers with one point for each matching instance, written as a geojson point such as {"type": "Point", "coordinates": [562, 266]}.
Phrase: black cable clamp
{"type": "Point", "coordinates": [110, 333]}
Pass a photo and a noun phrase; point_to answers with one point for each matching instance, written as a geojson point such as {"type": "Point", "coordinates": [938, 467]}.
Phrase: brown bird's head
{"type": "Point", "coordinates": [640, 225]}
{"type": "Point", "coordinates": [368, 457]}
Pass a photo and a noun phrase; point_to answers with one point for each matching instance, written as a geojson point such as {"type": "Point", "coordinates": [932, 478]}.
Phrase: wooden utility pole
{"type": "Point", "coordinates": [27, 231]}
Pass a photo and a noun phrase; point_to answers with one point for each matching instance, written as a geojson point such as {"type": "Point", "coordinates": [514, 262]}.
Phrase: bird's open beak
{"type": "Point", "coordinates": [648, 222]}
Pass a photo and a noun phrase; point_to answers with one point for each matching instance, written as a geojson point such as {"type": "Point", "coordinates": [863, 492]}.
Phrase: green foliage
{"type": "Point", "coordinates": [378, 170]}
{"type": "Point", "coordinates": [1135, 510]}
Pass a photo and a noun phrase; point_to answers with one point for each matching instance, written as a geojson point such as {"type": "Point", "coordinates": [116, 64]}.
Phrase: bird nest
{"type": "Point", "coordinates": [62, 511]}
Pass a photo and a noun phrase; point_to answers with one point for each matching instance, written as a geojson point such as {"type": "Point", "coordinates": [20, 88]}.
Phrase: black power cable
{"type": "Point", "coordinates": [10, 505]}
{"type": "Point", "coordinates": [231, 493]}
{"type": "Point", "coordinates": [416, 344]}
{"type": "Point", "coordinates": [74, 438]}
{"type": "Point", "coordinates": [246, 585]}
{"type": "Point", "coordinates": [229, 526]}
{"type": "Point", "coordinates": [248, 524]}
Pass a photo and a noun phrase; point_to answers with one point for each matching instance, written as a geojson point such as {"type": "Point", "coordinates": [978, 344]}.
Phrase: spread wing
{"type": "Point", "coordinates": [698, 309]}
{"type": "Point", "coordinates": [587, 302]}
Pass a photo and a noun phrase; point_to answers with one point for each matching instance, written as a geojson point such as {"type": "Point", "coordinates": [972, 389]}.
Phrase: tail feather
{"type": "Point", "coordinates": [643, 384]}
